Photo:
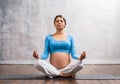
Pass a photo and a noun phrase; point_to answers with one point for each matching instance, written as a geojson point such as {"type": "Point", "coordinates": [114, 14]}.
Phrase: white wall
{"type": "Point", "coordinates": [93, 23]}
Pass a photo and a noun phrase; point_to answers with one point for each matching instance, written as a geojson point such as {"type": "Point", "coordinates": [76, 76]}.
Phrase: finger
{"type": "Point", "coordinates": [35, 53]}
{"type": "Point", "coordinates": [84, 53]}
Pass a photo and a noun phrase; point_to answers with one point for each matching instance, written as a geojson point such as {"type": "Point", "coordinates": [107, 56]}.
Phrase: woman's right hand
{"type": "Point", "coordinates": [35, 54]}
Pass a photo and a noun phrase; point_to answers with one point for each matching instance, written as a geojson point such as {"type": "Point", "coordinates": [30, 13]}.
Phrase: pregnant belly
{"type": "Point", "coordinates": [60, 59]}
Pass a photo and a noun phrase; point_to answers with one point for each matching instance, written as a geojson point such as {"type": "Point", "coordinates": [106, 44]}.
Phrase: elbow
{"type": "Point", "coordinates": [75, 57]}
{"type": "Point", "coordinates": [44, 57]}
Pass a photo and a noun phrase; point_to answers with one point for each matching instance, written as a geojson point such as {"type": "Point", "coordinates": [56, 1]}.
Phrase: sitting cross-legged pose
{"type": "Point", "coordinates": [61, 47]}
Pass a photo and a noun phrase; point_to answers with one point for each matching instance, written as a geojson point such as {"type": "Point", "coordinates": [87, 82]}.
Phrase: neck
{"type": "Point", "coordinates": [61, 32]}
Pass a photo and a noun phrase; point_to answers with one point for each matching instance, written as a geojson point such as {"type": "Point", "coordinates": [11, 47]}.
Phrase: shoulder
{"type": "Point", "coordinates": [70, 37]}
{"type": "Point", "coordinates": [48, 37]}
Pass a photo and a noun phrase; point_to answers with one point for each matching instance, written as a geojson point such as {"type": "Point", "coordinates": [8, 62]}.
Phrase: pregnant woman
{"type": "Point", "coordinates": [61, 47]}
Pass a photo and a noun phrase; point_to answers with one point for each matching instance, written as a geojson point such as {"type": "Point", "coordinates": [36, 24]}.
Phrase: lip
{"type": "Point", "coordinates": [59, 25]}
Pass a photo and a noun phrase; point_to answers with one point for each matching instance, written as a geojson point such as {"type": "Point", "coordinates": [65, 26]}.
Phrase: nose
{"type": "Point", "coordinates": [59, 22]}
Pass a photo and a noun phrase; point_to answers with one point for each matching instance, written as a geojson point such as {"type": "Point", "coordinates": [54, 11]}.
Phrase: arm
{"type": "Point", "coordinates": [46, 49]}
{"type": "Point", "coordinates": [73, 50]}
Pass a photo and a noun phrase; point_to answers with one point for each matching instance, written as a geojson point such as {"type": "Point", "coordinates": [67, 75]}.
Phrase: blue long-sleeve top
{"type": "Point", "coordinates": [52, 46]}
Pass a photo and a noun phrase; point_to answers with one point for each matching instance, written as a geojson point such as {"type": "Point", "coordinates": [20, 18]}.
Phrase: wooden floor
{"type": "Point", "coordinates": [88, 69]}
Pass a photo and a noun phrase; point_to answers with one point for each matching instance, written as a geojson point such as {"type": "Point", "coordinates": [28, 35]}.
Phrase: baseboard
{"type": "Point", "coordinates": [102, 61]}
{"type": "Point", "coordinates": [17, 62]}
{"type": "Point", "coordinates": [87, 61]}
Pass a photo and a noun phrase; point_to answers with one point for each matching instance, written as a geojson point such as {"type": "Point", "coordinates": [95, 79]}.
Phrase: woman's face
{"type": "Point", "coordinates": [59, 23]}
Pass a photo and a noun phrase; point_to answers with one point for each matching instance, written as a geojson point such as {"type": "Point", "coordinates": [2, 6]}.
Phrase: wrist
{"type": "Point", "coordinates": [80, 62]}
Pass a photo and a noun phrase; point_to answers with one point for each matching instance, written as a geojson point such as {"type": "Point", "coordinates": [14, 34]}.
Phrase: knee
{"type": "Point", "coordinates": [37, 64]}
{"type": "Point", "coordinates": [81, 66]}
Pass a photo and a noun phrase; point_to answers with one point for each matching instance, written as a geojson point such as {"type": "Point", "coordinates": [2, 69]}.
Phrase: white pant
{"type": "Point", "coordinates": [50, 71]}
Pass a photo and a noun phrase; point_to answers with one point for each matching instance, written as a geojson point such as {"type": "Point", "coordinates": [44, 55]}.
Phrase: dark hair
{"type": "Point", "coordinates": [60, 17]}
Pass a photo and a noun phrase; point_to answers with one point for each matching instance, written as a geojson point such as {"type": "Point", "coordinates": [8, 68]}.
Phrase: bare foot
{"type": "Point", "coordinates": [83, 56]}
{"type": "Point", "coordinates": [67, 75]}
{"type": "Point", "coordinates": [73, 75]}
{"type": "Point", "coordinates": [35, 55]}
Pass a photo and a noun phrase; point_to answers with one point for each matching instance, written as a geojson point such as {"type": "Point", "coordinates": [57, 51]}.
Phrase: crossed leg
{"type": "Point", "coordinates": [51, 71]}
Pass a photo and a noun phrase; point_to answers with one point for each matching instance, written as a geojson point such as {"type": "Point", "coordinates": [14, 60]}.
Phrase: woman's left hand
{"type": "Point", "coordinates": [83, 56]}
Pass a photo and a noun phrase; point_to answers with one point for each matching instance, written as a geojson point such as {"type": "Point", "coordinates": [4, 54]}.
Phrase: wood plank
{"type": "Point", "coordinates": [92, 82]}
{"type": "Point", "coordinates": [114, 81]}
{"type": "Point", "coordinates": [88, 69]}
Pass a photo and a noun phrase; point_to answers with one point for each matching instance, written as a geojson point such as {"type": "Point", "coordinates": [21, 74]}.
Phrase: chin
{"type": "Point", "coordinates": [60, 28]}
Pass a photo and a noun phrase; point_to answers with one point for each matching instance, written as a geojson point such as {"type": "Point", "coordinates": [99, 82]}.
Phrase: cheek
{"type": "Point", "coordinates": [64, 24]}
{"type": "Point", "coordinates": [54, 24]}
